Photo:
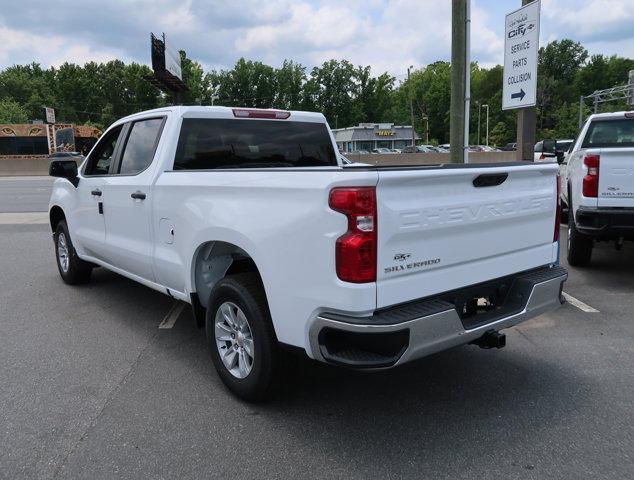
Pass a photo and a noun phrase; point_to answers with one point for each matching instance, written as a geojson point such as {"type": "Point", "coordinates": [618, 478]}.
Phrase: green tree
{"type": "Point", "coordinates": [290, 78]}
{"type": "Point", "coordinates": [12, 112]}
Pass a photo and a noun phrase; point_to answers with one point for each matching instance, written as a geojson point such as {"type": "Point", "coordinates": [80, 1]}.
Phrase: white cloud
{"type": "Point", "coordinates": [21, 47]}
{"type": "Point", "coordinates": [389, 35]}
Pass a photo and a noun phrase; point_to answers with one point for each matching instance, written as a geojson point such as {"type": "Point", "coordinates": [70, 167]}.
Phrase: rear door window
{"type": "Point", "coordinates": [140, 147]}
{"type": "Point", "coordinates": [610, 133]}
{"type": "Point", "coordinates": [219, 143]}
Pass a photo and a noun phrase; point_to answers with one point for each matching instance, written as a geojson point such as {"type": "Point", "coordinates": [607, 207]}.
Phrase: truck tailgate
{"type": "Point", "coordinates": [443, 228]}
{"type": "Point", "coordinates": [616, 177]}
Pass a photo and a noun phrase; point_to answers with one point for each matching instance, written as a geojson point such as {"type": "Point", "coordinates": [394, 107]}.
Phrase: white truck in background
{"type": "Point", "coordinates": [252, 218]}
{"type": "Point", "coordinates": [598, 185]}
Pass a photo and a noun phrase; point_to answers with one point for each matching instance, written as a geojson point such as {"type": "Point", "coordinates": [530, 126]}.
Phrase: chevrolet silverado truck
{"type": "Point", "coordinates": [599, 185]}
{"type": "Point", "coordinates": [250, 216]}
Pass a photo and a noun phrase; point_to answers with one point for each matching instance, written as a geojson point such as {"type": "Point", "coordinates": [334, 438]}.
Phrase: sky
{"type": "Point", "coordinates": [388, 35]}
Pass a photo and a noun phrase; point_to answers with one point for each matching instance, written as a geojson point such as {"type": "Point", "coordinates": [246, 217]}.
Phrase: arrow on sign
{"type": "Point", "coordinates": [521, 94]}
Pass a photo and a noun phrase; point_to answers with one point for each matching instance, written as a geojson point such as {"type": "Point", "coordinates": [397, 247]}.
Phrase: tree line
{"type": "Point", "coordinates": [99, 93]}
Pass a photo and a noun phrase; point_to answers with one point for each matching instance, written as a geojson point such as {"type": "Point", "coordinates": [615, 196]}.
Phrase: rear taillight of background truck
{"type": "Point", "coordinates": [590, 186]}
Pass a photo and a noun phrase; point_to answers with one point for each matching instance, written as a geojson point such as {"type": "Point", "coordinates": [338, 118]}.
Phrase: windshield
{"type": "Point", "coordinates": [610, 133]}
{"type": "Point", "coordinates": [219, 143]}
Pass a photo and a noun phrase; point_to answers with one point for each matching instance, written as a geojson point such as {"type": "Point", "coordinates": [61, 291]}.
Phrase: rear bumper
{"type": "Point", "coordinates": [606, 223]}
{"type": "Point", "coordinates": [403, 333]}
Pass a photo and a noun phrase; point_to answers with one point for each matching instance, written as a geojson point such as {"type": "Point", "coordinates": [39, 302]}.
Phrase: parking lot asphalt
{"type": "Point", "coordinates": [92, 388]}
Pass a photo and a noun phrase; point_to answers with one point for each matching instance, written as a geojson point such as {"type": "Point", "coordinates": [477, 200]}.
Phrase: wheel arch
{"type": "Point", "coordinates": [56, 214]}
{"type": "Point", "coordinates": [215, 259]}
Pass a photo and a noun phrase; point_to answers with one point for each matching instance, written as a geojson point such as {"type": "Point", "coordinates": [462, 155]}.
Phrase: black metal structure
{"type": "Point", "coordinates": [162, 78]}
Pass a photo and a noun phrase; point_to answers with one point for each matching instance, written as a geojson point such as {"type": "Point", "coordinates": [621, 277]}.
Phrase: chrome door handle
{"type": "Point", "coordinates": [138, 195]}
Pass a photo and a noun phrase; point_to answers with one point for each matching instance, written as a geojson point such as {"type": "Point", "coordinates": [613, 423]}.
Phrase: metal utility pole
{"type": "Point", "coordinates": [526, 120]}
{"type": "Point", "coordinates": [487, 107]}
{"type": "Point", "coordinates": [411, 103]}
{"type": "Point", "coordinates": [479, 110]}
{"type": "Point", "coordinates": [459, 80]}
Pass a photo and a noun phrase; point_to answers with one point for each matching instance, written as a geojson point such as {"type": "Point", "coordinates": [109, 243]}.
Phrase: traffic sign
{"type": "Point", "coordinates": [521, 44]}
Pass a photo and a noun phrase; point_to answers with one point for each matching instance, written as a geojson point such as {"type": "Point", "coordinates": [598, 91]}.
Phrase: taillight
{"type": "Point", "coordinates": [355, 251]}
{"type": "Point", "coordinates": [591, 180]}
{"type": "Point", "coordinates": [256, 113]}
{"type": "Point", "coordinates": [542, 157]}
{"type": "Point", "coordinates": [558, 211]}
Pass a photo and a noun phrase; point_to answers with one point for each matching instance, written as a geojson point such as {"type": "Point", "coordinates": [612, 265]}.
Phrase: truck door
{"type": "Point", "coordinates": [128, 212]}
{"type": "Point", "coordinates": [88, 226]}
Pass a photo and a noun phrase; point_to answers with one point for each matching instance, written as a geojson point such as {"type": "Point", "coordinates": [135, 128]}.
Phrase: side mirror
{"type": "Point", "coordinates": [560, 157]}
{"type": "Point", "coordinates": [64, 169]}
{"type": "Point", "coordinates": [550, 146]}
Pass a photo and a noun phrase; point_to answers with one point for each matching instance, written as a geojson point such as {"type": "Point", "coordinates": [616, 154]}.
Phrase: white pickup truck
{"type": "Point", "coordinates": [252, 218]}
{"type": "Point", "coordinates": [599, 185]}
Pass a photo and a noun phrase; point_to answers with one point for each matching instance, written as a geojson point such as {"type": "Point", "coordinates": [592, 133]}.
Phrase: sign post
{"type": "Point", "coordinates": [521, 46]}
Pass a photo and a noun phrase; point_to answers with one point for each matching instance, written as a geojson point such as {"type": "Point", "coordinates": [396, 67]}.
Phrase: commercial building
{"type": "Point", "coordinates": [40, 139]}
{"type": "Point", "coordinates": [367, 136]}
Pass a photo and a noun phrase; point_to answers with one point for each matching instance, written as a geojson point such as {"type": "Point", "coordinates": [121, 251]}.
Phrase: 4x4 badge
{"type": "Point", "coordinates": [401, 257]}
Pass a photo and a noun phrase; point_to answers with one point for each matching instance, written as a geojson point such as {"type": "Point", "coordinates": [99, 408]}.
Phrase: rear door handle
{"type": "Point", "coordinates": [138, 195]}
{"type": "Point", "coordinates": [96, 192]}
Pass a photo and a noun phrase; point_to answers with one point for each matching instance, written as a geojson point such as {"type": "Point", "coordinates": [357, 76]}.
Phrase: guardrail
{"type": "Point", "coordinates": [24, 165]}
{"type": "Point", "coordinates": [428, 158]}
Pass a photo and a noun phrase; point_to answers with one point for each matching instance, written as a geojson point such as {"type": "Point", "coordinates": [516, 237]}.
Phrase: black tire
{"type": "Point", "coordinates": [579, 245]}
{"type": "Point", "coordinates": [245, 291]}
{"type": "Point", "coordinates": [75, 271]}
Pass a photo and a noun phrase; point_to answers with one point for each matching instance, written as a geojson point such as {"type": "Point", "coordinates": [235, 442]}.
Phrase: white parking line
{"type": "Point", "coordinates": [579, 304]}
{"type": "Point", "coordinates": [172, 315]}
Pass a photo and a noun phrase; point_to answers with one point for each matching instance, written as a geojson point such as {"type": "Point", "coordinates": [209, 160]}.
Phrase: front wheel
{"type": "Point", "coordinates": [241, 339]}
{"type": "Point", "coordinates": [579, 245]}
{"type": "Point", "coordinates": [72, 269]}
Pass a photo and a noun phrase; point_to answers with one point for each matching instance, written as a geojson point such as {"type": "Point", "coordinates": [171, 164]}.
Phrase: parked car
{"type": "Point", "coordinates": [395, 150]}
{"type": "Point", "coordinates": [382, 150]}
{"type": "Point", "coordinates": [361, 152]}
{"type": "Point", "coordinates": [598, 184]}
{"type": "Point", "coordinates": [252, 218]}
{"type": "Point", "coordinates": [509, 147]}
{"type": "Point", "coordinates": [440, 149]}
{"type": "Point", "coordinates": [416, 149]}
{"type": "Point", "coordinates": [543, 156]}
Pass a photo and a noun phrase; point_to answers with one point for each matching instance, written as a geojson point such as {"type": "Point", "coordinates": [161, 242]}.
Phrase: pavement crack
{"type": "Point", "coordinates": [105, 405]}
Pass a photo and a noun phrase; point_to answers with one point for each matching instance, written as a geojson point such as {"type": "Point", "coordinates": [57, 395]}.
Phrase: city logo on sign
{"type": "Point", "coordinates": [521, 30]}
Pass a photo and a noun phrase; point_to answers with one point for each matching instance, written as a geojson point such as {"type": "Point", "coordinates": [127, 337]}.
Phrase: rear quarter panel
{"type": "Point", "coordinates": [281, 218]}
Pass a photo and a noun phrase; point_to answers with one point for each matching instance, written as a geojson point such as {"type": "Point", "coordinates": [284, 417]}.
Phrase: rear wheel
{"type": "Point", "coordinates": [240, 336]}
{"type": "Point", "coordinates": [579, 245]}
{"type": "Point", "coordinates": [72, 269]}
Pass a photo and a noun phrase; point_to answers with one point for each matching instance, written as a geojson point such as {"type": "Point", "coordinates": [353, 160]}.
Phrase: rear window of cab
{"type": "Point", "coordinates": [207, 144]}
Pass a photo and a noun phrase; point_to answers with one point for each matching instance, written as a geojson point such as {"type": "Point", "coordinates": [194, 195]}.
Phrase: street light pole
{"type": "Point", "coordinates": [426, 129]}
{"type": "Point", "coordinates": [487, 107]}
{"type": "Point", "coordinates": [411, 104]}
{"type": "Point", "coordinates": [479, 110]}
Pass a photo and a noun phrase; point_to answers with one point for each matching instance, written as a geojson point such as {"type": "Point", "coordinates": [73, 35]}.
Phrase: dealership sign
{"type": "Point", "coordinates": [521, 43]}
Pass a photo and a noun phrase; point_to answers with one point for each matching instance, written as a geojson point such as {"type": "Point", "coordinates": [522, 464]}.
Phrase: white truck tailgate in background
{"type": "Point", "coordinates": [616, 177]}
{"type": "Point", "coordinates": [438, 232]}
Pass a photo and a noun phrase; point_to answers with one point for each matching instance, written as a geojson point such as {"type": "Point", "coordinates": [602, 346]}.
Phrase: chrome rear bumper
{"type": "Point", "coordinates": [422, 328]}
